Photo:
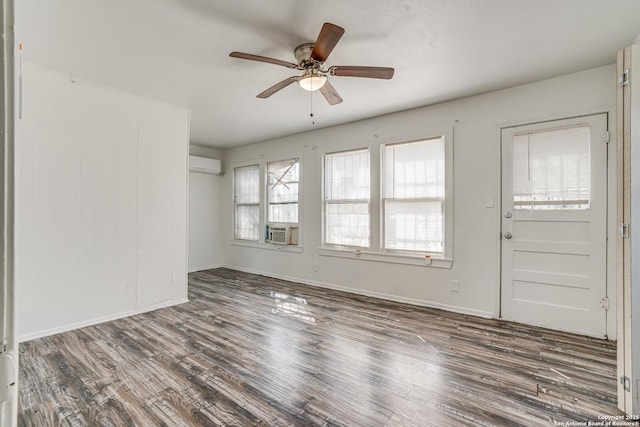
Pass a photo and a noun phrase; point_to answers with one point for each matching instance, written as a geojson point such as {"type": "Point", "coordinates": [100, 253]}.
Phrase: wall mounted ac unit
{"type": "Point", "coordinates": [282, 235]}
{"type": "Point", "coordinates": [205, 165]}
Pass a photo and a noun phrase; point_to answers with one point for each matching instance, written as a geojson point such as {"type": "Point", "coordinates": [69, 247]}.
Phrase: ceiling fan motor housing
{"type": "Point", "coordinates": [303, 52]}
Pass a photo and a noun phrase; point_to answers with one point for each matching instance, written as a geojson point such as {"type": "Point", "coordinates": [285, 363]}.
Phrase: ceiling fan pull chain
{"type": "Point", "coordinates": [313, 120]}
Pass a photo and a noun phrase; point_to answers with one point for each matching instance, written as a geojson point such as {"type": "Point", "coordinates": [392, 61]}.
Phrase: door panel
{"type": "Point", "coordinates": [554, 183]}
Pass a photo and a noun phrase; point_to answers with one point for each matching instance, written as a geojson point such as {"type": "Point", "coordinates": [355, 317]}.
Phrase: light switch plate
{"type": "Point", "coordinates": [489, 201]}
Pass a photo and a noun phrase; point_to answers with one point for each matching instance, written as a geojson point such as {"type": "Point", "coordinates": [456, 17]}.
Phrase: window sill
{"type": "Point", "coordinates": [387, 257]}
{"type": "Point", "coordinates": [268, 246]}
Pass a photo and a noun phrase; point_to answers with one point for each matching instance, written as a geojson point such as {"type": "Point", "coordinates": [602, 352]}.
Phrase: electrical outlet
{"type": "Point", "coordinates": [455, 286]}
{"type": "Point", "coordinates": [316, 266]}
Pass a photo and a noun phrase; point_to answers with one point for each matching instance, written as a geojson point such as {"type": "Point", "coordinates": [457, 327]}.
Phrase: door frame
{"type": "Point", "coordinates": [8, 338]}
{"type": "Point", "coordinates": [625, 363]}
{"type": "Point", "coordinates": [611, 222]}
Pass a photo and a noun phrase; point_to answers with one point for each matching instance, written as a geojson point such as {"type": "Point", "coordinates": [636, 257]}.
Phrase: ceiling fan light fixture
{"type": "Point", "coordinates": [312, 82]}
{"type": "Point", "coordinates": [311, 58]}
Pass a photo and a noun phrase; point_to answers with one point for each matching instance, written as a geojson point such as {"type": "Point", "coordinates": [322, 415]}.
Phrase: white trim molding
{"type": "Point", "coordinates": [97, 321]}
{"type": "Point", "coordinates": [379, 295]}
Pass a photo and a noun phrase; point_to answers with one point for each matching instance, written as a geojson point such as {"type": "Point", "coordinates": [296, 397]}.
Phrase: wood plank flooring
{"type": "Point", "coordinates": [249, 350]}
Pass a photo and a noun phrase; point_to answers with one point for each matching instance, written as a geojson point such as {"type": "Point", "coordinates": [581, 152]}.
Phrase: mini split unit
{"type": "Point", "coordinates": [205, 165]}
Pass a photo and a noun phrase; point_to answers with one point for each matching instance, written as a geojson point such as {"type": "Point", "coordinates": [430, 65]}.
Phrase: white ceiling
{"type": "Point", "coordinates": [177, 51]}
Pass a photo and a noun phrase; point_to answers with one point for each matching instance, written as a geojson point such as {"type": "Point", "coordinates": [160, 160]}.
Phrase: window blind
{"type": "Point", "coordinates": [551, 169]}
{"type": "Point", "coordinates": [415, 170]}
{"type": "Point", "coordinates": [347, 193]}
{"type": "Point", "coordinates": [413, 195]}
{"type": "Point", "coordinates": [247, 202]}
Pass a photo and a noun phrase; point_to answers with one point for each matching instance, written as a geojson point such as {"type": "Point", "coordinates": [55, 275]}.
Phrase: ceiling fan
{"type": "Point", "coordinates": [311, 58]}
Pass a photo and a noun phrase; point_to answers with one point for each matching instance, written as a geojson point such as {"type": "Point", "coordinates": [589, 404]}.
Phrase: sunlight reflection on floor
{"type": "Point", "coordinates": [292, 306]}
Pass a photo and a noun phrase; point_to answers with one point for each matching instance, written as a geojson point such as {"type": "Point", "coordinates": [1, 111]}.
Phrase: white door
{"type": "Point", "coordinates": [554, 210]}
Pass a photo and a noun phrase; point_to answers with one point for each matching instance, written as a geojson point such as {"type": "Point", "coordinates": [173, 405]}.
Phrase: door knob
{"type": "Point", "coordinates": [508, 235]}
{"type": "Point", "coordinates": [507, 215]}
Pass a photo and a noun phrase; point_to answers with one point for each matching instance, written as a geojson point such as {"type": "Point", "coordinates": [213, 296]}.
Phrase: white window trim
{"type": "Point", "coordinates": [440, 260]}
{"type": "Point", "coordinates": [393, 258]}
{"type": "Point", "coordinates": [266, 188]}
{"type": "Point", "coordinates": [447, 202]}
{"type": "Point", "coordinates": [324, 202]}
{"type": "Point", "coordinates": [260, 243]}
{"type": "Point", "coordinates": [268, 246]}
{"type": "Point", "coordinates": [235, 205]}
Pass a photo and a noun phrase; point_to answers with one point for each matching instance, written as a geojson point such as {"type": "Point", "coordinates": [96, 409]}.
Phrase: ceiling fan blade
{"type": "Point", "coordinates": [330, 93]}
{"type": "Point", "coordinates": [259, 58]}
{"type": "Point", "coordinates": [354, 71]}
{"type": "Point", "coordinates": [278, 86]}
{"type": "Point", "coordinates": [329, 36]}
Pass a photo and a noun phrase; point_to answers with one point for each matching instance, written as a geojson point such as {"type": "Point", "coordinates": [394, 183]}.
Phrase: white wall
{"type": "Point", "coordinates": [101, 179]}
{"type": "Point", "coordinates": [205, 196]}
{"type": "Point", "coordinates": [476, 250]}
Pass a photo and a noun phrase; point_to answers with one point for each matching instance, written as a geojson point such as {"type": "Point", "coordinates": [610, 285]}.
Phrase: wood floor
{"type": "Point", "coordinates": [253, 351]}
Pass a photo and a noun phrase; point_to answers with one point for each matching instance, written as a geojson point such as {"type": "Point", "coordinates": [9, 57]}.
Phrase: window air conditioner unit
{"type": "Point", "coordinates": [205, 165]}
{"type": "Point", "coordinates": [282, 235]}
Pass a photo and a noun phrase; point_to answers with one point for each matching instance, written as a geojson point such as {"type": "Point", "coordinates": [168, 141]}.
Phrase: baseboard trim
{"type": "Point", "coordinates": [204, 267]}
{"type": "Point", "coordinates": [91, 322]}
{"type": "Point", "coordinates": [380, 295]}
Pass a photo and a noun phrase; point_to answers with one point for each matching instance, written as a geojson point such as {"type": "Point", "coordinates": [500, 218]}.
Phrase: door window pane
{"type": "Point", "coordinates": [551, 169]}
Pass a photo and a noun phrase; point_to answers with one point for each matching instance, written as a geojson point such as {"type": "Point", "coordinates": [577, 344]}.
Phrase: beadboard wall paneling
{"type": "Point", "coordinates": [101, 209]}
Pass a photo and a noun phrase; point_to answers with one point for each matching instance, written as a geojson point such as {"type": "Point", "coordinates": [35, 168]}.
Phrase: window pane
{"type": "Point", "coordinates": [247, 220]}
{"type": "Point", "coordinates": [416, 226]}
{"type": "Point", "coordinates": [347, 175]}
{"type": "Point", "coordinates": [283, 213]}
{"type": "Point", "coordinates": [347, 180]}
{"type": "Point", "coordinates": [285, 171]}
{"type": "Point", "coordinates": [283, 193]}
{"type": "Point", "coordinates": [415, 170]}
{"type": "Point", "coordinates": [347, 224]}
{"type": "Point", "coordinates": [551, 169]}
{"type": "Point", "coordinates": [247, 184]}
{"type": "Point", "coordinates": [282, 181]}
{"type": "Point", "coordinates": [247, 199]}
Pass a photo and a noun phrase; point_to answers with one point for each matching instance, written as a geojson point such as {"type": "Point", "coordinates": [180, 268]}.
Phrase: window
{"type": "Point", "coordinates": [413, 200]}
{"type": "Point", "coordinates": [266, 204]}
{"type": "Point", "coordinates": [346, 195]}
{"type": "Point", "coordinates": [551, 169]}
{"type": "Point", "coordinates": [404, 215]}
{"type": "Point", "coordinates": [246, 181]}
{"type": "Point", "coordinates": [282, 191]}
